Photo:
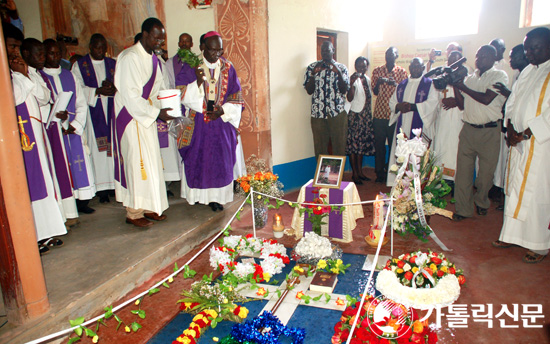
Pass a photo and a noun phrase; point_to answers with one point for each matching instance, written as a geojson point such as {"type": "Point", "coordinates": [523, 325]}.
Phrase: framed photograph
{"type": "Point", "coordinates": [329, 172]}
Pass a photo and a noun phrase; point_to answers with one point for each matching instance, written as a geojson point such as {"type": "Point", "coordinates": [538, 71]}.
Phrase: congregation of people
{"type": "Point", "coordinates": [489, 135]}
{"type": "Point", "coordinates": [111, 139]}
{"type": "Point", "coordinates": [94, 126]}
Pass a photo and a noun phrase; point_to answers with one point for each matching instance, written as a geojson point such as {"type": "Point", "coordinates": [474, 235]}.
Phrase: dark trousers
{"type": "Point", "coordinates": [382, 132]}
{"type": "Point", "coordinates": [333, 128]}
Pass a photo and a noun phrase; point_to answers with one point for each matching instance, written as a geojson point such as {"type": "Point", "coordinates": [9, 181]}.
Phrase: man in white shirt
{"type": "Point", "coordinates": [480, 135]}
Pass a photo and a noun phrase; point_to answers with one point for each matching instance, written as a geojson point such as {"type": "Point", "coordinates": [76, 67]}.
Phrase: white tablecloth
{"type": "Point", "coordinates": [350, 215]}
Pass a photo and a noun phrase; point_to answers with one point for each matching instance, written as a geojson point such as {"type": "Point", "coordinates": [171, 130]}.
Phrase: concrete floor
{"type": "Point", "coordinates": [104, 261]}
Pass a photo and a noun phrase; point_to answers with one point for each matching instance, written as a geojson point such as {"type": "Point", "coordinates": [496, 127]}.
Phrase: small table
{"type": "Point", "coordinates": [349, 216]}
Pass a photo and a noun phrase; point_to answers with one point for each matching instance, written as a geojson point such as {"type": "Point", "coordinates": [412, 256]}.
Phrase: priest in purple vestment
{"type": "Point", "coordinates": [210, 156]}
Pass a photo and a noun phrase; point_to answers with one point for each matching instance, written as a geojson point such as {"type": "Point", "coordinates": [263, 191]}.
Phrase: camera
{"type": "Point", "coordinates": [448, 75]}
{"type": "Point", "coordinates": [67, 39]}
{"type": "Point", "coordinates": [437, 52]}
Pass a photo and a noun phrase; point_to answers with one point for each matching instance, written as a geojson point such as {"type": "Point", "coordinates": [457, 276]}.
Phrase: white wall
{"type": "Point", "coordinates": [29, 11]}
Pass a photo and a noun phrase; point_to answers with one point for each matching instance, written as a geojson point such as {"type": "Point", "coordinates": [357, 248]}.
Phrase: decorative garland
{"type": "Point", "coordinates": [252, 332]}
{"type": "Point", "coordinates": [200, 324]}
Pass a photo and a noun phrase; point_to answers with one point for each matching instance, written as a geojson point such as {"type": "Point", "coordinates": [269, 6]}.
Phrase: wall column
{"type": "Point", "coordinates": [243, 26]}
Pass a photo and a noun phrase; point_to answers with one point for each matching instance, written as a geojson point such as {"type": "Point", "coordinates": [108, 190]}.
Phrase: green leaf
{"type": "Point", "coordinates": [238, 216]}
{"type": "Point", "coordinates": [134, 311]}
{"type": "Point", "coordinates": [248, 201]}
{"type": "Point", "coordinates": [117, 318]}
{"type": "Point", "coordinates": [154, 291]}
{"type": "Point", "coordinates": [78, 331]}
{"type": "Point", "coordinates": [108, 312]}
{"type": "Point", "coordinates": [165, 285]}
{"type": "Point", "coordinates": [176, 267]}
{"type": "Point", "coordinates": [118, 326]}
{"type": "Point", "coordinates": [270, 206]}
{"type": "Point", "coordinates": [141, 314]}
{"type": "Point", "coordinates": [76, 321]}
{"type": "Point", "coordinates": [102, 322]}
{"type": "Point", "coordinates": [278, 293]}
{"type": "Point", "coordinates": [89, 332]}
{"type": "Point", "coordinates": [214, 323]}
{"type": "Point", "coordinates": [317, 298]}
{"type": "Point", "coordinates": [342, 208]}
{"type": "Point", "coordinates": [327, 298]}
{"type": "Point", "coordinates": [274, 282]}
{"type": "Point", "coordinates": [135, 326]}
{"type": "Point", "coordinates": [73, 339]}
{"type": "Point", "coordinates": [279, 203]}
{"type": "Point", "coordinates": [207, 278]}
{"type": "Point", "coordinates": [302, 211]}
{"type": "Point", "coordinates": [188, 273]}
{"type": "Point", "coordinates": [266, 293]}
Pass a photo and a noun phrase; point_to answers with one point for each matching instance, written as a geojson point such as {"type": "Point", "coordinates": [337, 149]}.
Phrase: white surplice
{"type": "Point", "coordinates": [447, 127]}
{"type": "Point", "coordinates": [140, 141]}
{"type": "Point", "coordinates": [48, 219]}
{"type": "Point", "coordinates": [426, 110]}
{"type": "Point", "coordinates": [79, 123]}
{"type": "Point", "coordinates": [526, 215]}
{"type": "Point", "coordinates": [103, 166]}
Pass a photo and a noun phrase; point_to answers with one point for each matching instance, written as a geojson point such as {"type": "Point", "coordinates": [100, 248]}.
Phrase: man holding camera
{"type": "Point", "coordinates": [480, 135]}
{"type": "Point", "coordinates": [385, 80]}
{"type": "Point", "coordinates": [328, 82]}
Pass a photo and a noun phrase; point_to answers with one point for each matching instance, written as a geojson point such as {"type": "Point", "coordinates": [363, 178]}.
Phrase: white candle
{"type": "Point", "coordinates": [378, 216]}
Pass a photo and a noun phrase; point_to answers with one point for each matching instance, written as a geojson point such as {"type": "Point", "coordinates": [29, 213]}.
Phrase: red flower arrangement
{"type": "Point", "coordinates": [367, 331]}
{"type": "Point", "coordinates": [194, 3]}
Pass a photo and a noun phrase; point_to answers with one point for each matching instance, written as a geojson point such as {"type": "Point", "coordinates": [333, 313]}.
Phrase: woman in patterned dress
{"type": "Point", "coordinates": [360, 139]}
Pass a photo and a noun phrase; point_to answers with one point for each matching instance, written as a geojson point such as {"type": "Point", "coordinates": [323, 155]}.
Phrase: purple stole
{"type": "Point", "coordinates": [73, 142]}
{"type": "Point", "coordinates": [101, 127]}
{"type": "Point", "coordinates": [60, 161]}
{"type": "Point", "coordinates": [33, 167]}
{"type": "Point", "coordinates": [335, 196]}
{"type": "Point", "coordinates": [210, 157]}
{"type": "Point", "coordinates": [421, 96]}
{"type": "Point", "coordinates": [122, 121]}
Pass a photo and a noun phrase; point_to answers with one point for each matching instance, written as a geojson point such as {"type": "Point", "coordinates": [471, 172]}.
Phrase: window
{"type": "Point", "coordinates": [443, 18]}
{"type": "Point", "coordinates": [534, 13]}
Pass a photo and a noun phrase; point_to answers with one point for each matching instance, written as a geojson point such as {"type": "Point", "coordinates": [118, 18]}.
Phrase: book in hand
{"type": "Point", "coordinates": [323, 282]}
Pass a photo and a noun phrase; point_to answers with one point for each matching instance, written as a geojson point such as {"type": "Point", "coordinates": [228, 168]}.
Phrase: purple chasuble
{"type": "Point", "coordinates": [335, 218]}
{"type": "Point", "coordinates": [60, 160]}
{"type": "Point", "coordinates": [210, 156]}
{"type": "Point", "coordinates": [73, 142]}
{"type": "Point", "coordinates": [122, 121]}
{"type": "Point", "coordinates": [421, 95]}
{"type": "Point", "coordinates": [33, 167]}
{"type": "Point", "coordinates": [101, 126]}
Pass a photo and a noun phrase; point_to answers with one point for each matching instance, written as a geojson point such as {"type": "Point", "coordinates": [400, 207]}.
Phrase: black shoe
{"type": "Point", "coordinates": [379, 180]}
{"type": "Point", "coordinates": [364, 178]}
{"type": "Point", "coordinates": [86, 210]}
{"type": "Point", "coordinates": [215, 206]}
{"type": "Point", "coordinates": [357, 181]}
{"type": "Point", "coordinates": [481, 211]}
{"type": "Point", "coordinates": [104, 199]}
{"type": "Point", "coordinates": [43, 249]}
{"type": "Point", "coordinates": [457, 217]}
{"type": "Point", "coordinates": [169, 193]}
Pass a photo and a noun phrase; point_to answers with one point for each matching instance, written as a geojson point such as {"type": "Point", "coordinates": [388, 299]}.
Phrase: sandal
{"type": "Point", "coordinates": [43, 249]}
{"type": "Point", "coordinates": [51, 242]}
{"type": "Point", "coordinates": [533, 258]}
{"type": "Point", "coordinates": [501, 244]}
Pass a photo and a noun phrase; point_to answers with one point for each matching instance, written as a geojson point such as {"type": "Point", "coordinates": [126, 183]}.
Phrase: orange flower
{"type": "Point", "coordinates": [418, 327]}
{"type": "Point", "coordinates": [261, 291]}
{"type": "Point", "coordinates": [461, 279]}
{"type": "Point", "coordinates": [340, 302]}
{"type": "Point", "coordinates": [299, 295]}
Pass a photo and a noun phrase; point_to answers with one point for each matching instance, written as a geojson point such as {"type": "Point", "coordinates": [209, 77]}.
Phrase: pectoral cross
{"type": "Point", "coordinates": [400, 94]}
{"type": "Point", "coordinates": [26, 144]}
{"type": "Point", "coordinates": [79, 162]}
{"type": "Point", "coordinates": [422, 95]}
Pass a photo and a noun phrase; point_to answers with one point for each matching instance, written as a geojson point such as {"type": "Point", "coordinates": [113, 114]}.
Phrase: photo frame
{"type": "Point", "coordinates": [329, 171]}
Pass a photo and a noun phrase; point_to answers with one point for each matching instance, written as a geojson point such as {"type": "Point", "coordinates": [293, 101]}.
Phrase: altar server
{"type": "Point", "coordinates": [95, 74]}
{"type": "Point", "coordinates": [412, 107]}
{"type": "Point", "coordinates": [138, 166]}
{"type": "Point", "coordinates": [526, 215]}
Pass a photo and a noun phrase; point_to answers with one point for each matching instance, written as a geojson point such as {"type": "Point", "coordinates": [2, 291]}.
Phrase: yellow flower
{"type": "Point", "coordinates": [399, 271]}
{"type": "Point", "coordinates": [298, 268]}
{"type": "Point", "coordinates": [418, 327]}
{"type": "Point", "coordinates": [216, 339]}
{"type": "Point", "coordinates": [319, 208]}
{"type": "Point", "coordinates": [299, 295]}
{"type": "Point", "coordinates": [261, 291]}
{"type": "Point", "coordinates": [137, 302]}
{"type": "Point", "coordinates": [230, 289]}
{"type": "Point", "coordinates": [444, 269]}
{"type": "Point", "coordinates": [191, 333]}
{"type": "Point", "coordinates": [211, 313]}
{"type": "Point", "coordinates": [414, 270]}
{"type": "Point", "coordinates": [321, 264]}
{"type": "Point", "coordinates": [290, 203]}
{"type": "Point", "coordinates": [433, 267]}
{"type": "Point", "coordinates": [334, 270]}
{"type": "Point", "coordinates": [198, 317]}
{"type": "Point", "coordinates": [340, 302]}
{"type": "Point", "coordinates": [127, 329]}
{"type": "Point", "coordinates": [243, 312]}
{"type": "Point", "coordinates": [225, 301]}
{"type": "Point", "coordinates": [339, 262]}
{"type": "Point", "coordinates": [95, 339]}
{"type": "Point", "coordinates": [266, 276]}
{"type": "Point", "coordinates": [259, 196]}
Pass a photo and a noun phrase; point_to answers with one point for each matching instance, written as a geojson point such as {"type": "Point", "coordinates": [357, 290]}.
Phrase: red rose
{"type": "Point", "coordinates": [362, 333]}
{"type": "Point", "coordinates": [461, 279]}
{"type": "Point", "coordinates": [356, 341]}
{"type": "Point", "coordinates": [344, 335]}
{"type": "Point", "coordinates": [413, 259]}
{"type": "Point", "coordinates": [248, 236]}
{"type": "Point", "coordinates": [338, 328]}
{"type": "Point", "coordinates": [409, 275]}
{"type": "Point", "coordinates": [384, 341]}
{"type": "Point", "coordinates": [436, 260]}
{"type": "Point", "coordinates": [317, 211]}
{"type": "Point", "coordinates": [434, 254]}
{"type": "Point", "coordinates": [452, 271]}
{"type": "Point", "coordinates": [440, 273]}
{"type": "Point", "coordinates": [428, 270]}
{"type": "Point", "coordinates": [323, 196]}
{"type": "Point", "coordinates": [388, 263]}
{"type": "Point", "coordinates": [416, 338]}
{"type": "Point", "coordinates": [400, 264]}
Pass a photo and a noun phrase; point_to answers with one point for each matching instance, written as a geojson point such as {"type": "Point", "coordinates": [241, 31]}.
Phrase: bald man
{"type": "Point", "coordinates": [480, 135]}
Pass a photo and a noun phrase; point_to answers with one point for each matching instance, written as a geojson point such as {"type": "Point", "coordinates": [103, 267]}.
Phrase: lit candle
{"type": "Point", "coordinates": [278, 222]}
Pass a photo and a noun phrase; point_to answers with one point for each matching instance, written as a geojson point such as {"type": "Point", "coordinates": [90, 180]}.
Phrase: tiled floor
{"type": "Point", "coordinates": [494, 276]}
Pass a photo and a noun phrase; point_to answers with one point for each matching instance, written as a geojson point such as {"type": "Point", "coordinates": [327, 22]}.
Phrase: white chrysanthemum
{"type": "Point", "coordinates": [249, 247]}
{"type": "Point", "coordinates": [268, 249]}
{"type": "Point", "coordinates": [232, 241]}
{"type": "Point", "coordinates": [314, 245]}
{"type": "Point", "coordinates": [406, 267]}
{"type": "Point", "coordinates": [272, 265]}
{"type": "Point", "coordinates": [218, 257]}
{"type": "Point", "coordinates": [242, 270]}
